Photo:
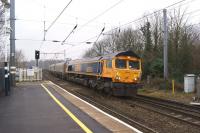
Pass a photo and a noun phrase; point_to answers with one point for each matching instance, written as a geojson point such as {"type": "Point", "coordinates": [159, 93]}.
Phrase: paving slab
{"type": "Point", "coordinates": [29, 109]}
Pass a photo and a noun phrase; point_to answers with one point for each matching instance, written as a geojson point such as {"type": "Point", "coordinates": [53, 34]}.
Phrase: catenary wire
{"type": "Point", "coordinates": [99, 15]}
{"type": "Point", "coordinates": [58, 16]}
{"type": "Point", "coordinates": [138, 19]}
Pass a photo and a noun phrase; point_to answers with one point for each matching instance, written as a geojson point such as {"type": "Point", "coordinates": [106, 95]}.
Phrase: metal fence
{"type": "Point", "coordinates": [34, 74]}
{"type": "Point", "coordinates": [2, 79]}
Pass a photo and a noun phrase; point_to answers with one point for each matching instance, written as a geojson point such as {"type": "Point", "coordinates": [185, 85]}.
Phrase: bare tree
{"type": "Point", "coordinates": [147, 41]}
{"type": "Point", "coordinates": [3, 6]}
{"type": "Point", "coordinates": [127, 39]}
{"type": "Point", "coordinates": [20, 59]}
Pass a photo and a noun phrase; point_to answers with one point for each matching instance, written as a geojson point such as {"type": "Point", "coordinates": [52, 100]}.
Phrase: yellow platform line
{"type": "Point", "coordinates": [86, 129]}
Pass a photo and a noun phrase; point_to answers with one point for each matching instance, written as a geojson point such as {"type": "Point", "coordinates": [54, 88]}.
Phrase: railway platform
{"type": "Point", "coordinates": [36, 107]}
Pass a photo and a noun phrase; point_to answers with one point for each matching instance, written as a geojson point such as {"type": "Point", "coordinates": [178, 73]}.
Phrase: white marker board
{"type": "Point", "coordinates": [30, 72]}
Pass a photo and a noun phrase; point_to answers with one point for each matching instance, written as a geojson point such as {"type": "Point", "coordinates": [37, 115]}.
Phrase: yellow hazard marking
{"type": "Point", "coordinates": [86, 129]}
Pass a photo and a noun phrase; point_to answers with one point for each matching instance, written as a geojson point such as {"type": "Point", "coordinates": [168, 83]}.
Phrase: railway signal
{"type": "Point", "coordinates": [37, 57]}
{"type": "Point", "coordinates": [37, 54]}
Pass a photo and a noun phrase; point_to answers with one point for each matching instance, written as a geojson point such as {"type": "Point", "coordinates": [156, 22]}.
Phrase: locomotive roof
{"type": "Point", "coordinates": [121, 53]}
{"type": "Point", "coordinates": [107, 56]}
{"type": "Point", "coordinates": [85, 60]}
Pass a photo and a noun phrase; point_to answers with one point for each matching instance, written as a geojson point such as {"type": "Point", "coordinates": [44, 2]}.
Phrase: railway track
{"type": "Point", "coordinates": [182, 105]}
{"type": "Point", "coordinates": [179, 111]}
{"type": "Point", "coordinates": [115, 113]}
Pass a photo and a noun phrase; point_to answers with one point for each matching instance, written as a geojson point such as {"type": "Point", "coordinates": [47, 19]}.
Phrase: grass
{"type": "Point", "coordinates": [160, 89]}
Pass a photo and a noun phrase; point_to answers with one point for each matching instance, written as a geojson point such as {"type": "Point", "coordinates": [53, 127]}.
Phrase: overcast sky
{"type": "Point", "coordinates": [30, 15]}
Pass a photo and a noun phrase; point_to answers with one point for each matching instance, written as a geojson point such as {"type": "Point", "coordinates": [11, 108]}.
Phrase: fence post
{"type": "Point", "coordinates": [173, 89]}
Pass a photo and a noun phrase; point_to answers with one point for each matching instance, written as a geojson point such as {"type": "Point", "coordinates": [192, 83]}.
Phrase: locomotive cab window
{"type": "Point", "coordinates": [119, 63]}
{"type": "Point", "coordinates": [109, 63]}
{"type": "Point", "coordinates": [70, 68]}
{"type": "Point", "coordinates": [134, 64]}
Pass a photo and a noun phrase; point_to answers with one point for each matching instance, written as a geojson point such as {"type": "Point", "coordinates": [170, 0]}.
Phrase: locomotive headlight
{"type": "Point", "coordinates": [117, 77]}
{"type": "Point", "coordinates": [135, 79]}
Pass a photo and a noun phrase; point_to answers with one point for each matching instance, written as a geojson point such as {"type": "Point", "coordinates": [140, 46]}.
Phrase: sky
{"type": "Point", "coordinates": [31, 14]}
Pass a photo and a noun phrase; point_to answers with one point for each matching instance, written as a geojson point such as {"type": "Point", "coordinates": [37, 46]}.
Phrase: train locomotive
{"type": "Point", "coordinates": [118, 74]}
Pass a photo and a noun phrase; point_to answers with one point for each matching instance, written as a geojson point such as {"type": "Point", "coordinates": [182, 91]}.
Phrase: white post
{"type": "Point", "coordinates": [5, 37]}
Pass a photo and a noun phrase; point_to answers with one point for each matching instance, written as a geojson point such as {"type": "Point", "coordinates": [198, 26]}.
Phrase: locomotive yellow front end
{"type": "Point", "coordinates": [126, 75]}
{"type": "Point", "coordinates": [127, 70]}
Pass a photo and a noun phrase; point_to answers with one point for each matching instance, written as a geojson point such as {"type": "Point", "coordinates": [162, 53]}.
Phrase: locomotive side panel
{"type": "Point", "coordinates": [107, 69]}
{"type": "Point", "coordinates": [92, 67]}
{"type": "Point", "coordinates": [60, 67]}
{"type": "Point", "coordinates": [89, 68]}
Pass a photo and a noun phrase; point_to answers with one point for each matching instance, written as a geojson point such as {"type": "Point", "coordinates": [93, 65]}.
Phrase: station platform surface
{"type": "Point", "coordinates": [44, 107]}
